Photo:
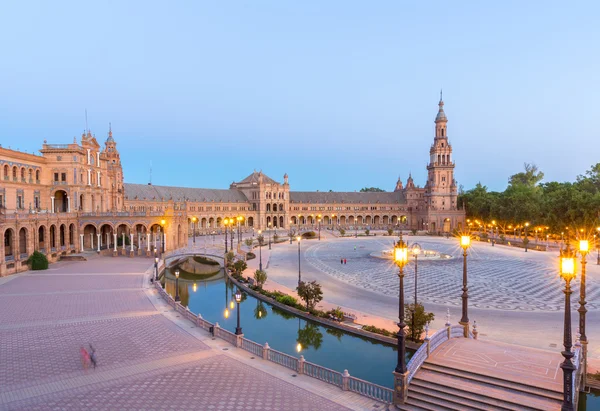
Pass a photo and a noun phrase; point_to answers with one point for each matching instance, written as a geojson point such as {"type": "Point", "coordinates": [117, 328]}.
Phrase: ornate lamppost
{"type": "Point", "coordinates": [400, 372]}
{"type": "Point", "coordinates": [225, 222]}
{"type": "Point", "coordinates": [465, 243]}
{"type": "Point", "coordinates": [194, 219]}
{"type": "Point", "coordinates": [162, 238]}
{"type": "Point", "coordinates": [155, 268]}
{"type": "Point", "coordinates": [238, 300]}
{"type": "Point", "coordinates": [584, 248]}
{"type": "Point", "coordinates": [319, 221]}
{"type": "Point", "coordinates": [416, 250]}
{"type": "Point", "coordinates": [177, 285]}
{"type": "Point", "coordinates": [526, 241]}
{"type": "Point", "coordinates": [269, 226]}
{"type": "Point", "coordinates": [567, 272]}
{"type": "Point", "coordinates": [260, 241]}
{"type": "Point", "coordinates": [299, 272]}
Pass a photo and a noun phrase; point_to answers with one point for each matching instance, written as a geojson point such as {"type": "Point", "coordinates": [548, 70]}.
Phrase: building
{"type": "Point", "coordinates": [73, 197]}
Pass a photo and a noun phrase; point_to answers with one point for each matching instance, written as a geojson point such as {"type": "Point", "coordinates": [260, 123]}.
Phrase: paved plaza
{"type": "Point", "coordinates": [149, 358]}
{"type": "Point", "coordinates": [515, 297]}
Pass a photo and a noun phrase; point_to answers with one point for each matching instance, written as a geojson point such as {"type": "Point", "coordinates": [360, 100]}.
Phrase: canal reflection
{"type": "Point", "coordinates": [213, 297]}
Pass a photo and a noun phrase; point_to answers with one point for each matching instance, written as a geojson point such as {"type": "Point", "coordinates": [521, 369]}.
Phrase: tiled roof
{"type": "Point", "coordinates": [152, 192]}
{"type": "Point", "coordinates": [253, 178]}
{"type": "Point", "coordinates": [318, 197]}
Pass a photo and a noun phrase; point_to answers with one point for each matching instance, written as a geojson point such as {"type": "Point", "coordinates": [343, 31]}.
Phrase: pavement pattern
{"type": "Point", "coordinates": [148, 357]}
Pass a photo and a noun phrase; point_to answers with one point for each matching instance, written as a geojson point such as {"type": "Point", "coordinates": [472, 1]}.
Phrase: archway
{"type": "Point", "coordinates": [446, 225]}
{"type": "Point", "coordinates": [294, 220]}
{"type": "Point", "coordinates": [386, 220]}
{"type": "Point", "coordinates": [72, 235]}
{"type": "Point", "coordinates": [42, 239]}
{"type": "Point", "coordinates": [123, 234]}
{"type": "Point", "coordinates": [394, 220]}
{"type": "Point", "coordinates": [23, 242]}
{"type": "Point", "coordinates": [9, 244]}
{"type": "Point", "coordinates": [61, 201]}
{"type": "Point", "coordinates": [89, 237]}
{"type": "Point", "coordinates": [82, 203]}
{"type": "Point", "coordinates": [281, 222]}
{"type": "Point", "coordinates": [106, 236]}
{"type": "Point", "coordinates": [368, 220]}
{"type": "Point", "coordinates": [62, 235]}
{"type": "Point", "coordinates": [343, 220]}
{"type": "Point", "coordinates": [52, 238]}
{"type": "Point", "coordinates": [376, 221]}
{"type": "Point", "coordinates": [250, 221]}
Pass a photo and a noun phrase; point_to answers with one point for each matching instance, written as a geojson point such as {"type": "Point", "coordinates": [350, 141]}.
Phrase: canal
{"type": "Point", "coordinates": [212, 296]}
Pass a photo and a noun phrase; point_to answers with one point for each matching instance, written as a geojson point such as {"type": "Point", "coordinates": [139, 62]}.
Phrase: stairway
{"type": "Point", "coordinates": [437, 387]}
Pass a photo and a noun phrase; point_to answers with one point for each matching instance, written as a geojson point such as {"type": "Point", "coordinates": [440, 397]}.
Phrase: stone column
{"type": "Point", "coordinates": [52, 200]}
{"type": "Point", "coordinates": [92, 240]}
{"type": "Point", "coordinates": [148, 245]}
{"type": "Point", "coordinates": [400, 387]}
{"type": "Point", "coordinates": [88, 156]}
{"type": "Point", "coordinates": [98, 158]}
{"type": "Point", "coordinates": [301, 362]}
{"type": "Point", "coordinates": [99, 240]}
{"type": "Point", "coordinates": [98, 179]}
{"type": "Point", "coordinates": [81, 237]}
{"type": "Point", "coordinates": [164, 238]}
{"type": "Point", "coordinates": [89, 183]}
{"type": "Point", "coordinates": [131, 245]}
{"type": "Point", "coordinates": [123, 244]}
{"type": "Point", "coordinates": [68, 204]}
{"type": "Point", "coordinates": [115, 245]}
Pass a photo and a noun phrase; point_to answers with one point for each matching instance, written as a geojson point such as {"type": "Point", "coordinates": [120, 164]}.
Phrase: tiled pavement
{"type": "Point", "coordinates": [148, 357]}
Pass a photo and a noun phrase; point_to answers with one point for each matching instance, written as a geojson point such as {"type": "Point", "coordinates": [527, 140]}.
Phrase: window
{"type": "Point", "coordinates": [443, 178]}
{"type": "Point", "coordinates": [58, 158]}
{"type": "Point", "coordinates": [442, 136]}
{"type": "Point", "coordinates": [63, 177]}
{"type": "Point", "coordinates": [55, 176]}
{"type": "Point", "coordinates": [19, 202]}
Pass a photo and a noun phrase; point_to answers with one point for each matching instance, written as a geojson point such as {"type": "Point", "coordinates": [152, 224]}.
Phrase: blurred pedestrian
{"type": "Point", "coordinates": [85, 358]}
{"type": "Point", "coordinates": [93, 356]}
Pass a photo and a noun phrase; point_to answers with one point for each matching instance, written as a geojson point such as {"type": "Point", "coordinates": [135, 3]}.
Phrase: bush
{"type": "Point", "coordinates": [38, 261]}
{"type": "Point", "coordinates": [249, 242]}
{"type": "Point", "coordinates": [287, 300]}
{"type": "Point", "coordinates": [414, 231]}
{"type": "Point", "coordinates": [260, 276]}
{"type": "Point", "coordinates": [309, 234]}
{"type": "Point", "coordinates": [342, 232]}
{"type": "Point", "coordinates": [390, 231]}
{"type": "Point", "coordinates": [204, 260]}
{"type": "Point", "coordinates": [367, 231]}
{"type": "Point", "coordinates": [421, 318]}
{"type": "Point", "coordinates": [373, 329]}
{"type": "Point", "coordinates": [337, 314]}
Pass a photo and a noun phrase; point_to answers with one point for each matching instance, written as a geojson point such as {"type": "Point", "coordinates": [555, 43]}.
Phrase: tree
{"type": "Point", "coordinates": [342, 232]}
{"type": "Point", "coordinates": [38, 261]}
{"type": "Point", "coordinates": [421, 318]}
{"type": "Point", "coordinates": [367, 231]}
{"type": "Point", "coordinates": [229, 258]}
{"type": "Point", "coordinates": [249, 242]}
{"type": "Point", "coordinates": [238, 267]}
{"type": "Point", "coordinates": [310, 292]}
{"type": "Point", "coordinates": [260, 311]}
{"type": "Point", "coordinates": [390, 231]}
{"type": "Point", "coordinates": [260, 276]}
{"type": "Point", "coordinates": [261, 239]}
{"type": "Point", "coordinates": [371, 190]}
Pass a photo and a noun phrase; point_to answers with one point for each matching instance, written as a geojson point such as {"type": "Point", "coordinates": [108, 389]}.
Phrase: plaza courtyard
{"type": "Point", "coordinates": [515, 297]}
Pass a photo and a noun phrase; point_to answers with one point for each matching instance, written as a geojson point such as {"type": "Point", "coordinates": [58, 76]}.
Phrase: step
{"type": "Point", "coordinates": [416, 405]}
{"type": "Point", "coordinates": [449, 400]}
{"type": "Point", "coordinates": [487, 393]}
{"type": "Point", "coordinates": [429, 398]}
{"type": "Point", "coordinates": [530, 389]}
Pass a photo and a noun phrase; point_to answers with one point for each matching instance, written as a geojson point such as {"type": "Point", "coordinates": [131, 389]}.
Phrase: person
{"type": "Point", "coordinates": [344, 261]}
{"type": "Point", "coordinates": [341, 261]}
{"type": "Point", "coordinates": [85, 358]}
{"type": "Point", "coordinates": [93, 356]}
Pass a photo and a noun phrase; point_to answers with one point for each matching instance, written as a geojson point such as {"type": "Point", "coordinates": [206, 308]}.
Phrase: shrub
{"type": "Point", "coordinates": [205, 260]}
{"type": "Point", "coordinates": [414, 231]}
{"type": "Point", "coordinates": [309, 234]}
{"type": "Point", "coordinates": [373, 329]}
{"type": "Point", "coordinates": [239, 266]}
{"type": "Point", "coordinates": [336, 314]}
{"type": "Point", "coordinates": [287, 300]}
{"type": "Point", "coordinates": [342, 232]}
{"type": "Point", "coordinates": [367, 231]}
{"type": "Point", "coordinates": [421, 317]}
{"type": "Point", "coordinates": [38, 261]}
{"type": "Point", "coordinates": [260, 276]}
{"type": "Point", "coordinates": [390, 231]}
{"type": "Point", "coordinates": [249, 242]}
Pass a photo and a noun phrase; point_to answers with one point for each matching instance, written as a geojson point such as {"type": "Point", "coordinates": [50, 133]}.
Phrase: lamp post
{"type": "Point", "coordinates": [225, 222]}
{"type": "Point", "coordinates": [162, 239]}
{"type": "Point", "coordinates": [260, 241]}
{"type": "Point", "coordinates": [194, 219]}
{"type": "Point", "coordinates": [526, 225]}
{"type": "Point", "coordinates": [355, 228]}
{"type": "Point", "coordinates": [465, 243]}
{"type": "Point", "coordinates": [401, 373]}
{"type": "Point", "coordinates": [155, 268]}
{"type": "Point", "coordinates": [416, 250]}
{"type": "Point", "coordinates": [299, 272]}
{"type": "Point", "coordinates": [238, 300]}
{"type": "Point", "coordinates": [584, 248]}
{"type": "Point", "coordinates": [177, 285]}
{"type": "Point", "coordinates": [291, 232]}
{"type": "Point", "coordinates": [567, 272]}
{"type": "Point", "coordinates": [319, 221]}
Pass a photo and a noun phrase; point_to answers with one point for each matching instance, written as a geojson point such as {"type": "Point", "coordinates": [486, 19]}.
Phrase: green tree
{"type": "Point", "coordinates": [310, 292]}
{"type": "Point", "coordinates": [260, 276]}
{"type": "Point", "coordinates": [37, 261]}
{"type": "Point", "coordinates": [371, 190]}
{"type": "Point", "coordinates": [390, 231]}
{"type": "Point", "coordinates": [249, 242]}
{"type": "Point", "coordinates": [342, 232]}
{"type": "Point", "coordinates": [229, 257]}
{"type": "Point", "coordinates": [238, 267]}
{"type": "Point", "coordinates": [421, 318]}
{"type": "Point", "coordinates": [261, 239]}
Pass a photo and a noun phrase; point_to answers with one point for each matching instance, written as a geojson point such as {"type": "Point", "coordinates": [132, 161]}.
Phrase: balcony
{"type": "Point", "coordinates": [59, 146]}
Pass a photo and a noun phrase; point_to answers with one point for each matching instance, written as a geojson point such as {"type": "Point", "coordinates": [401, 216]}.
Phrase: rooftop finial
{"type": "Point", "coordinates": [441, 91]}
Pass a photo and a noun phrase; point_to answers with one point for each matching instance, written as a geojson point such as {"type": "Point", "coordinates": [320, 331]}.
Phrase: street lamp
{"type": "Point", "coordinates": [415, 250]}
{"type": "Point", "coordinates": [319, 221]}
{"type": "Point", "coordinates": [155, 268]}
{"type": "Point", "coordinates": [465, 243]}
{"type": "Point", "coordinates": [269, 226]}
{"type": "Point", "coordinates": [527, 239]}
{"type": "Point", "coordinates": [567, 272]}
{"type": "Point", "coordinates": [194, 219]}
{"type": "Point", "coordinates": [260, 241]}
{"type": "Point", "coordinates": [177, 285]}
{"type": "Point", "coordinates": [584, 248]}
{"type": "Point", "coordinates": [401, 258]}
{"type": "Point", "coordinates": [162, 241]}
{"type": "Point", "coordinates": [240, 219]}
{"type": "Point", "coordinates": [355, 228]}
{"type": "Point", "coordinates": [225, 222]}
{"type": "Point", "coordinates": [291, 232]}
{"type": "Point", "coordinates": [238, 299]}
{"type": "Point", "coordinates": [299, 272]}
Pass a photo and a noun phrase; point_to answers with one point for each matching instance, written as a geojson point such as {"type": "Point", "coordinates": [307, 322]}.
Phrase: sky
{"type": "Point", "coordinates": [338, 94]}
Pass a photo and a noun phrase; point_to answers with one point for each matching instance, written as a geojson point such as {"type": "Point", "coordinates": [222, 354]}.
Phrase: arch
{"type": "Point", "coordinates": [6, 172]}
{"type": "Point", "coordinates": [37, 176]}
{"type": "Point", "coordinates": [268, 207]}
{"type": "Point", "coordinates": [42, 238]}
{"type": "Point", "coordinates": [447, 225]}
{"type": "Point", "coordinates": [368, 220]}
{"type": "Point", "coordinates": [71, 234]}
{"type": "Point", "coordinates": [394, 219]}
{"type": "Point", "coordinates": [219, 221]}
{"type": "Point", "coordinates": [274, 207]}
{"type": "Point", "coordinates": [403, 219]}
{"type": "Point", "coordinates": [294, 220]}
{"type": "Point", "coordinates": [326, 220]}
{"type": "Point", "coordinates": [281, 225]}
{"type": "Point", "coordinates": [106, 236]}
{"type": "Point", "coordinates": [9, 244]}
{"type": "Point", "coordinates": [61, 201]}
{"type": "Point", "coordinates": [386, 220]}
{"type": "Point", "coordinates": [23, 174]}
{"type": "Point", "coordinates": [352, 220]}
{"type": "Point", "coordinates": [343, 220]}
{"type": "Point", "coordinates": [377, 220]}
{"type": "Point", "coordinates": [52, 238]}
{"type": "Point", "coordinates": [281, 209]}
{"type": "Point", "coordinates": [203, 222]}
{"type": "Point", "coordinates": [62, 235]}
{"type": "Point", "coordinates": [23, 242]}
{"type": "Point", "coordinates": [250, 221]}
{"type": "Point", "coordinates": [14, 173]}
{"type": "Point", "coordinates": [268, 221]}
{"type": "Point", "coordinates": [30, 174]}
{"type": "Point", "coordinates": [89, 236]}
{"type": "Point", "coordinates": [211, 222]}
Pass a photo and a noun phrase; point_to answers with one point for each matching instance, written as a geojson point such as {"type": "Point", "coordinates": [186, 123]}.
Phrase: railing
{"type": "Point", "coordinates": [577, 373]}
{"type": "Point", "coordinates": [252, 347]}
{"type": "Point", "coordinates": [323, 374]}
{"type": "Point", "coordinates": [283, 359]}
{"type": "Point", "coordinates": [56, 146]}
{"type": "Point", "coordinates": [368, 389]}
{"type": "Point", "coordinates": [230, 337]}
{"type": "Point", "coordinates": [457, 331]}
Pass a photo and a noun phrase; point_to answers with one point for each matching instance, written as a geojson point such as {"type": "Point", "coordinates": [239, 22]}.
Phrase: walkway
{"type": "Point", "coordinates": [149, 357]}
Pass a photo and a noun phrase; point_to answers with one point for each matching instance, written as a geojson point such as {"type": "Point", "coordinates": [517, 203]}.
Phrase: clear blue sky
{"type": "Point", "coordinates": [338, 94]}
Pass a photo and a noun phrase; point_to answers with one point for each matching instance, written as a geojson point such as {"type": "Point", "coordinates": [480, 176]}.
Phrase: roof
{"type": "Point", "coordinates": [441, 116]}
{"type": "Point", "coordinates": [254, 177]}
{"type": "Point", "coordinates": [152, 192]}
{"type": "Point", "coordinates": [319, 197]}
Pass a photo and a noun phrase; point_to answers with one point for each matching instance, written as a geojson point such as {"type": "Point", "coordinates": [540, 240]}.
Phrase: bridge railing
{"type": "Point", "coordinates": [577, 373]}
{"type": "Point", "coordinates": [370, 390]}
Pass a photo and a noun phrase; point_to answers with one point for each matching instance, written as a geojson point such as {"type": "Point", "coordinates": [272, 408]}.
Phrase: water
{"type": "Point", "coordinates": [331, 348]}
{"type": "Point", "coordinates": [589, 401]}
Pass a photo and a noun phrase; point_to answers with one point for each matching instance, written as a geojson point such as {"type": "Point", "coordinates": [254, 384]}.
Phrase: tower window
{"type": "Point", "coordinates": [442, 134]}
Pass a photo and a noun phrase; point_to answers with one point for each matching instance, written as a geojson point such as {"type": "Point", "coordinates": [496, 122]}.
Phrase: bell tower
{"type": "Point", "coordinates": [115, 173]}
{"type": "Point", "coordinates": [440, 190]}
